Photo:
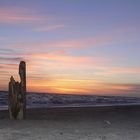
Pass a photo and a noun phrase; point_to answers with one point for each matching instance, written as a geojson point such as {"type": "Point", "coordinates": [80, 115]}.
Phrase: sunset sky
{"type": "Point", "coordinates": [72, 46]}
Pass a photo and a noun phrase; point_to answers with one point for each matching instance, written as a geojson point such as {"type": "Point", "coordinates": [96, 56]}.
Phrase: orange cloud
{"type": "Point", "coordinates": [58, 71]}
{"type": "Point", "coordinates": [64, 58]}
{"type": "Point", "coordinates": [75, 86]}
{"type": "Point", "coordinates": [47, 79]}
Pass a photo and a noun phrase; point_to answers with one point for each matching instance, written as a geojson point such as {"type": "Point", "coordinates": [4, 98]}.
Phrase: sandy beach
{"type": "Point", "coordinates": [81, 123]}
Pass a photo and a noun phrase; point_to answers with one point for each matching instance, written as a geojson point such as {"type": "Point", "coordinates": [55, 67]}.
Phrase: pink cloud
{"type": "Point", "coordinates": [49, 28]}
{"type": "Point", "coordinates": [43, 65]}
{"type": "Point", "coordinates": [2, 38]}
{"type": "Point", "coordinates": [69, 44]}
{"type": "Point", "coordinates": [60, 44]}
{"type": "Point", "coordinates": [108, 70]}
{"type": "Point", "coordinates": [7, 67]}
{"type": "Point", "coordinates": [127, 28]}
{"type": "Point", "coordinates": [66, 58]}
{"type": "Point", "coordinates": [126, 70]}
{"type": "Point", "coordinates": [18, 15]}
{"type": "Point", "coordinates": [85, 43]}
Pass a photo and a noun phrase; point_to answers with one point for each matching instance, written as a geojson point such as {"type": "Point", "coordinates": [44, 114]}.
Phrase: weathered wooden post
{"type": "Point", "coordinates": [17, 94]}
{"type": "Point", "coordinates": [22, 73]}
{"type": "Point", "coordinates": [13, 98]}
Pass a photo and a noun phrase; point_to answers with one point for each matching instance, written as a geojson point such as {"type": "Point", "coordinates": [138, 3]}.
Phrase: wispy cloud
{"type": "Point", "coordinates": [4, 51]}
{"type": "Point", "coordinates": [49, 28]}
{"type": "Point", "coordinates": [83, 86]}
{"type": "Point", "coordinates": [54, 78]}
{"type": "Point", "coordinates": [19, 15]}
{"type": "Point", "coordinates": [15, 59]}
{"type": "Point", "coordinates": [2, 38]}
{"type": "Point", "coordinates": [64, 58]}
{"type": "Point", "coordinates": [8, 67]}
{"type": "Point", "coordinates": [102, 41]}
{"type": "Point", "coordinates": [110, 70]}
{"type": "Point", "coordinates": [77, 44]}
{"type": "Point", "coordinates": [57, 69]}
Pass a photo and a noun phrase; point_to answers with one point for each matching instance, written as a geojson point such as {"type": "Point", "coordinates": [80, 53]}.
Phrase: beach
{"type": "Point", "coordinates": [80, 123]}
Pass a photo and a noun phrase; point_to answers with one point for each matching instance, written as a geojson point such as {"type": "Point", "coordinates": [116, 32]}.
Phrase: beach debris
{"type": "Point", "coordinates": [102, 137]}
{"type": "Point", "coordinates": [107, 122]}
{"type": "Point", "coordinates": [61, 133]}
{"type": "Point", "coordinates": [17, 94]}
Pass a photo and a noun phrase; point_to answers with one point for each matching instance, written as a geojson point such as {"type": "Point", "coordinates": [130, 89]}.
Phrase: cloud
{"type": "Point", "coordinates": [54, 59]}
{"type": "Point", "coordinates": [75, 44]}
{"type": "Point", "coordinates": [19, 15]}
{"type": "Point", "coordinates": [127, 28]}
{"type": "Point", "coordinates": [109, 70]}
{"type": "Point", "coordinates": [57, 45]}
{"type": "Point", "coordinates": [4, 51]}
{"type": "Point", "coordinates": [72, 86]}
{"type": "Point", "coordinates": [49, 28]}
{"type": "Point", "coordinates": [2, 38]}
{"type": "Point", "coordinates": [47, 73]}
{"type": "Point", "coordinates": [15, 59]}
{"type": "Point", "coordinates": [59, 51]}
{"type": "Point", "coordinates": [100, 65]}
{"type": "Point", "coordinates": [63, 58]}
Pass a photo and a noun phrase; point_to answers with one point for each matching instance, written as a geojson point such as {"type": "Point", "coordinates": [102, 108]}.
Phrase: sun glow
{"type": "Point", "coordinates": [69, 51]}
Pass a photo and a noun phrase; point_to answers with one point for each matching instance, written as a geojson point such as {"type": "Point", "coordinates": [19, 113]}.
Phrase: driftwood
{"type": "Point", "coordinates": [17, 94]}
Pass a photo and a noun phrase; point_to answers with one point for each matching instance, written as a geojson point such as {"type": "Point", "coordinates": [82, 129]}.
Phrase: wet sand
{"type": "Point", "coordinates": [81, 123]}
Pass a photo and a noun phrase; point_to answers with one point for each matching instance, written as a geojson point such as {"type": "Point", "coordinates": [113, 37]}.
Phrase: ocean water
{"type": "Point", "coordinates": [44, 100]}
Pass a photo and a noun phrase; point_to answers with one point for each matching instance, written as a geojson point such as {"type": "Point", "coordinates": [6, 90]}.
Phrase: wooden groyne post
{"type": "Point", "coordinates": [17, 94]}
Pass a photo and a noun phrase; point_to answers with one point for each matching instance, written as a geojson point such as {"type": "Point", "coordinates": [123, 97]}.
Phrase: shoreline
{"type": "Point", "coordinates": [5, 108]}
{"type": "Point", "coordinates": [36, 113]}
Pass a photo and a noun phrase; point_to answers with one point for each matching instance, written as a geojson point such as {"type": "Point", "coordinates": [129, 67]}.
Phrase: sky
{"type": "Point", "coordinates": [72, 46]}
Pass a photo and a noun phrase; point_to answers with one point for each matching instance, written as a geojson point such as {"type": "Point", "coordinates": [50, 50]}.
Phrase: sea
{"type": "Point", "coordinates": [49, 100]}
